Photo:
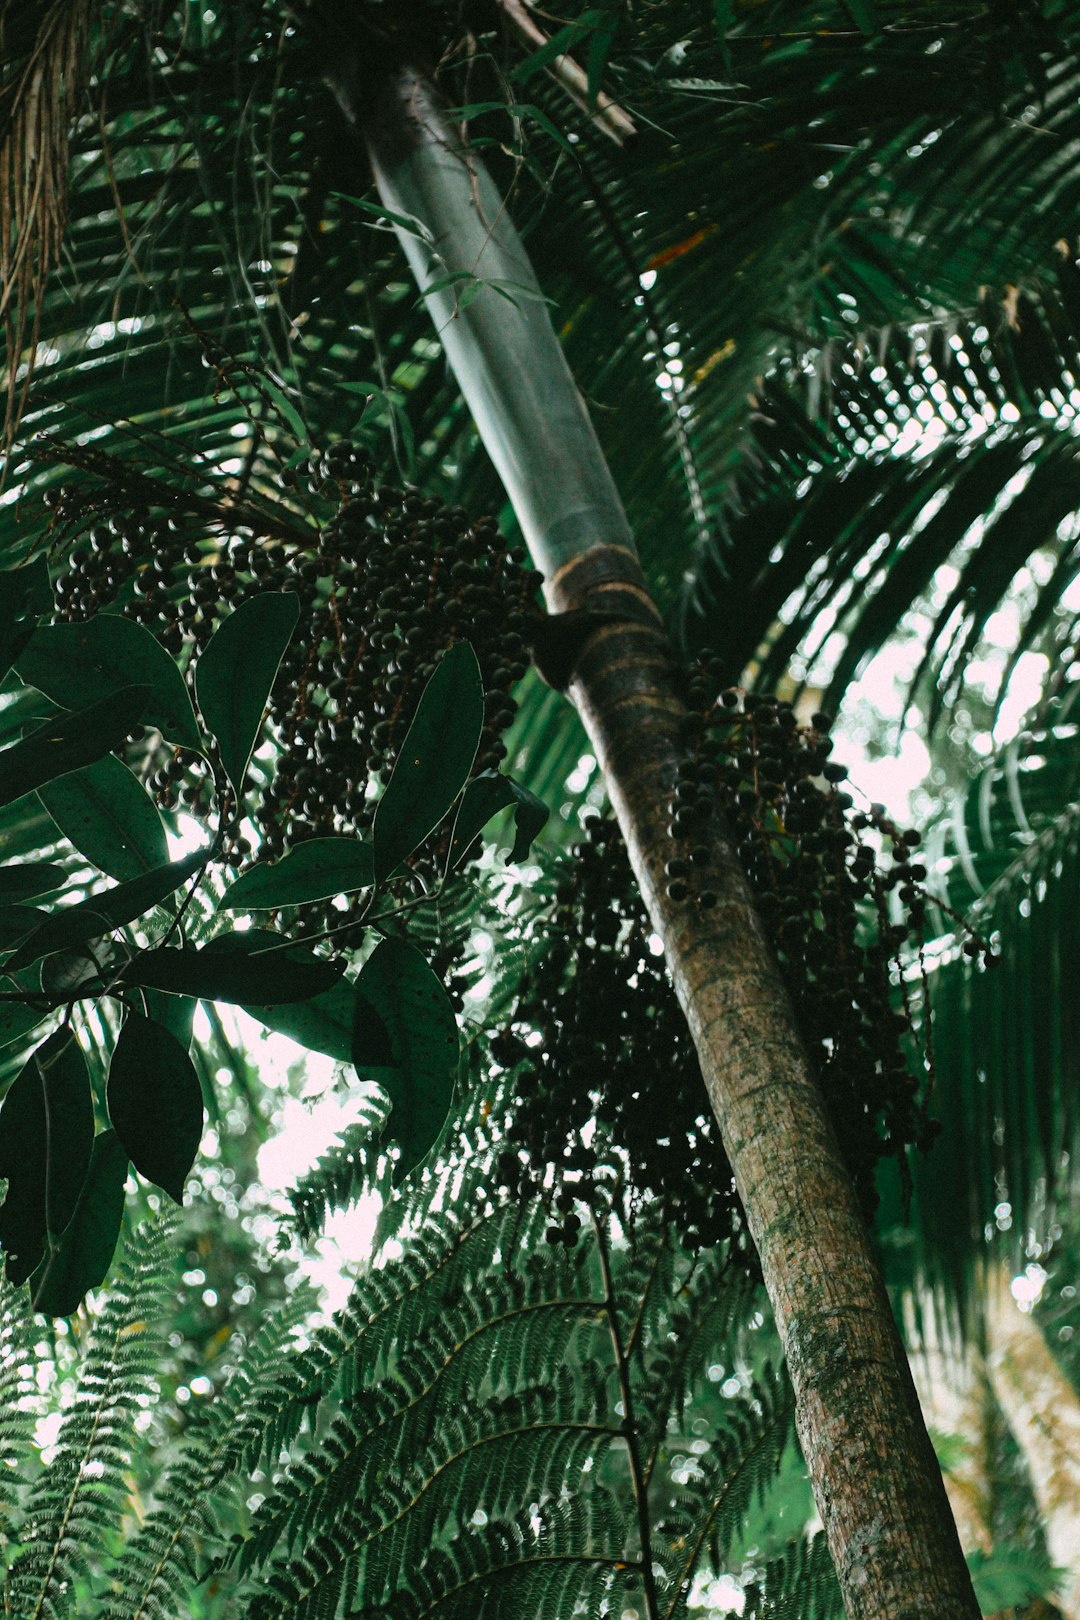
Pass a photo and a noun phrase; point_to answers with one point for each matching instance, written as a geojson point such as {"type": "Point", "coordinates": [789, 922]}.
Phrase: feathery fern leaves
{"type": "Point", "coordinates": [800, 1585]}
{"type": "Point", "coordinates": [343, 1172]}
{"type": "Point", "coordinates": [18, 1337]}
{"type": "Point", "coordinates": [472, 1432]}
{"type": "Point", "coordinates": [77, 1503]}
{"type": "Point", "coordinates": [167, 1553]}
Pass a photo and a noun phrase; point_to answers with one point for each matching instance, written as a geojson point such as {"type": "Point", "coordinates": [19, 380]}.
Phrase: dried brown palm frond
{"type": "Point", "coordinates": [44, 69]}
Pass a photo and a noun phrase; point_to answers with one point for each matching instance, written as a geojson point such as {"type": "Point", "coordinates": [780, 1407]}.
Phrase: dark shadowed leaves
{"type": "Point", "coordinates": [230, 969]}
{"type": "Point", "coordinates": [101, 913]}
{"type": "Point", "coordinates": [312, 871]}
{"type": "Point", "coordinates": [155, 1103]}
{"type": "Point", "coordinates": [73, 662]}
{"type": "Point", "coordinates": [67, 975]}
{"type": "Point", "coordinates": [69, 741]}
{"type": "Point", "coordinates": [435, 760]}
{"type": "Point", "coordinates": [16, 922]}
{"type": "Point", "coordinates": [415, 1012]}
{"type": "Point", "coordinates": [323, 1024]}
{"type": "Point", "coordinates": [484, 797]}
{"type": "Point", "coordinates": [109, 817]}
{"type": "Point", "coordinates": [16, 1018]}
{"type": "Point", "coordinates": [24, 592]}
{"type": "Point", "coordinates": [21, 882]}
{"type": "Point", "coordinates": [46, 1136]}
{"type": "Point", "coordinates": [234, 675]}
{"type": "Point", "coordinates": [80, 1257]}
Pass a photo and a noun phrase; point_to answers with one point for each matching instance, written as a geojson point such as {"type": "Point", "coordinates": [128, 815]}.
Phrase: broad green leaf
{"type": "Point", "coordinates": [483, 798]}
{"type": "Point", "coordinates": [46, 1136]}
{"type": "Point", "coordinates": [21, 882]}
{"type": "Point", "coordinates": [435, 760]}
{"type": "Point", "coordinates": [67, 742]}
{"type": "Point", "coordinates": [416, 1014]}
{"type": "Point", "coordinates": [175, 1013]}
{"type": "Point", "coordinates": [227, 970]}
{"type": "Point", "coordinates": [73, 662]}
{"type": "Point", "coordinates": [101, 913]}
{"type": "Point", "coordinates": [312, 871]}
{"type": "Point", "coordinates": [323, 1024]}
{"type": "Point", "coordinates": [234, 675]}
{"type": "Point", "coordinates": [155, 1103]}
{"type": "Point", "coordinates": [109, 817]}
{"type": "Point", "coordinates": [80, 1257]}
{"type": "Point", "coordinates": [24, 593]}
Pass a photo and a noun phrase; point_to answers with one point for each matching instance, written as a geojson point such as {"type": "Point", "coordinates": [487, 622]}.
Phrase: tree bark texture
{"type": "Point", "coordinates": [875, 1477]}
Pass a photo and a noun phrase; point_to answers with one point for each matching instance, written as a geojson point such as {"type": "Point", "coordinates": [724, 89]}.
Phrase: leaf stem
{"type": "Point", "coordinates": [629, 1427]}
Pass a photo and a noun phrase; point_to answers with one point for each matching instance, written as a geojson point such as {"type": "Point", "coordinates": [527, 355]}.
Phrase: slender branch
{"type": "Point", "coordinates": [629, 1428]}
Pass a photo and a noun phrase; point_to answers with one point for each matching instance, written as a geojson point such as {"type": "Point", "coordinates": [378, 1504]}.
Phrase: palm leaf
{"type": "Point", "coordinates": [1005, 1035]}
{"type": "Point", "coordinates": [946, 475]}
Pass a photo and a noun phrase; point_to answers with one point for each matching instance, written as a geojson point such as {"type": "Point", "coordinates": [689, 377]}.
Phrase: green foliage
{"type": "Point", "coordinates": [73, 662]}
{"type": "Point", "coordinates": [415, 1050]}
{"type": "Point", "coordinates": [64, 1201]}
{"type": "Point", "coordinates": [70, 741]}
{"type": "Point", "coordinates": [109, 817]}
{"type": "Point", "coordinates": [155, 1103]}
{"type": "Point", "coordinates": [235, 673]}
{"type": "Point", "coordinates": [483, 798]}
{"type": "Point", "coordinates": [80, 1257]}
{"type": "Point", "coordinates": [1007, 856]}
{"type": "Point", "coordinates": [435, 760]}
{"type": "Point", "coordinates": [1011, 1577]}
{"type": "Point", "coordinates": [312, 871]}
{"type": "Point", "coordinates": [453, 1438]}
{"type": "Point", "coordinates": [71, 1511]}
{"type": "Point", "coordinates": [46, 1138]}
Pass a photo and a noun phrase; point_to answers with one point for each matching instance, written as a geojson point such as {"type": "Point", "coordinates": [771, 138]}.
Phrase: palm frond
{"type": "Point", "coordinates": [945, 481]}
{"type": "Point", "coordinates": [1004, 1038]}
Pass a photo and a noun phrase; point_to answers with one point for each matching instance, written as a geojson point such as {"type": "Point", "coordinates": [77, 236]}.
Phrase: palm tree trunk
{"type": "Point", "coordinates": [877, 1483]}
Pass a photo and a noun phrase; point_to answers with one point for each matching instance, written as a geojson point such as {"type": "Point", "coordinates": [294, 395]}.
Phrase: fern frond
{"type": "Point", "coordinates": [77, 1502]}
{"type": "Point", "coordinates": [158, 1565]}
{"type": "Point", "coordinates": [703, 1516]}
{"type": "Point", "coordinates": [18, 1336]}
{"type": "Point", "coordinates": [801, 1585]}
{"type": "Point", "coordinates": [340, 1176]}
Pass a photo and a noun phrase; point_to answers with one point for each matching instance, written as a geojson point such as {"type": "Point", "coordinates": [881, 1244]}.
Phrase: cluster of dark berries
{"type": "Point", "coordinates": [837, 890]}
{"type": "Point", "coordinates": [387, 581]}
{"type": "Point", "coordinates": [613, 1078]}
{"type": "Point", "coordinates": [841, 896]}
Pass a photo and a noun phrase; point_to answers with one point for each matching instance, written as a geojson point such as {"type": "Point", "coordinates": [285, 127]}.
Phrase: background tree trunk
{"type": "Point", "coordinates": [875, 1477]}
{"type": "Point", "coordinates": [1040, 1406]}
{"type": "Point", "coordinates": [950, 1379]}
